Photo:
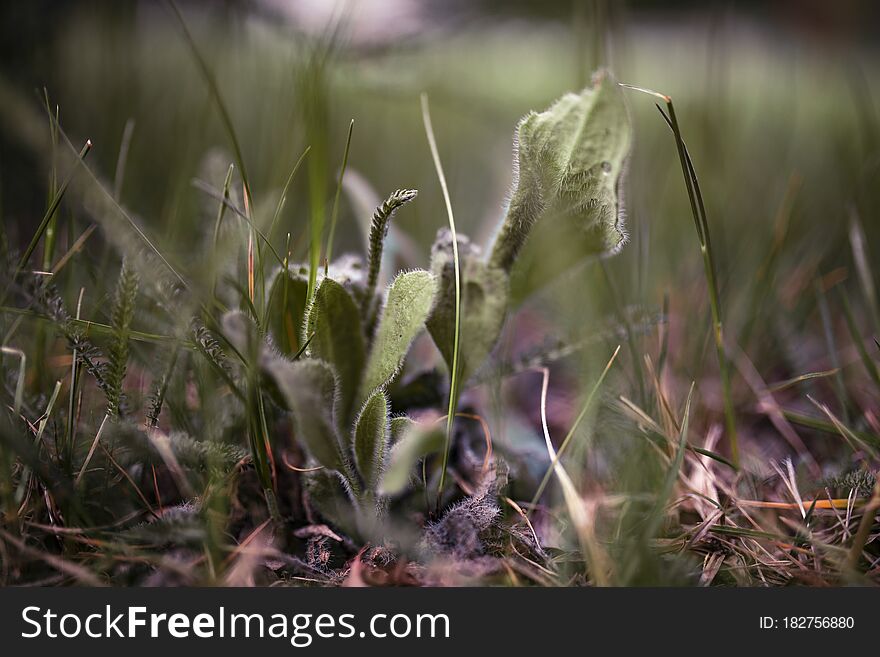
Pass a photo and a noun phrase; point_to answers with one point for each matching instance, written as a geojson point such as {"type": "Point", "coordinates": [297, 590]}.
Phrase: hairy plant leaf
{"type": "Point", "coordinates": [569, 165]}
{"type": "Point", "coordinates": [371, 439]}
{"type": "Point", "coordinates": [335, 321]}
{"type": "Point", "coordinates": [309, 387]}
{"type": "Point", "coordinates": [287, 307]}
{"type": "Point", "coordinates": [329, 495]}
{"type": "Point", "coordinates": [347, 270]}
{"type": "Point", "coordinates": [415, 442]}
{"type": "Point", "coordinates": [399, 426]}
{"type": "Point", "coordinates": [241, 332]}
{"type": "Point", "coordinates": [483, 303]}
{"type": "Point", "coordinates": [409, 301]}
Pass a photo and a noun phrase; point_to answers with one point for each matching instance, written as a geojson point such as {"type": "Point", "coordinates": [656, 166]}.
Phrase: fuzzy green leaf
{"type": "Point", "coordinates": [287, 307]}
{"type": "Point", "coordinates": [410, 297]}
{"type": "Point", "coordinates": [241, 332]}
{"type": "Point", "coordinates": [335, 321]}
{"type": "Point", "coordinates": [371, 439]}
{"type": "Point", "coordinates": [483, 302]}
{"type": "Point", "coordinates": [400, 425]}
{"type": "Point", "coordinates": [570, 163]}
{"type": "Point", "coordinates": [309, 387]}
{"type": "Point", "coordinates": [415, 442]}
{"type": "Point", "coordinates": [327, 494]}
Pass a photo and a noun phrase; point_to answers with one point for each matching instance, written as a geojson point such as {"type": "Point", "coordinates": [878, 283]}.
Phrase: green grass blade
{"type": "Point", "coordinates": [672, 475]}
{"type": "Point", "coordinates": [593, 554]}
{"type": "Point", "coordinates": [19, 382]}
{"type": "Point", "coordinates": [334, 212]}
{"type": "Point", "coordinates": [587, 403]}
{"type": "Point", "coordinates": [695, 197]}
{"type": "Point", "coordinates": [283, 198]}
{"type": "Point", "coordinates": [858, 341]}
{"type": "Point", "coordinates": [213, 87]}
{"type": "Point", "coordinates": [831, 346]}
{"type": "Point", "coordinates": [50, 211]}
{"type": "Point", "coordinates": [453, 373]}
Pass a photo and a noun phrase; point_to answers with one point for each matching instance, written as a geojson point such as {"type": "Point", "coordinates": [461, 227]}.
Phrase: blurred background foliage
{"type": "Point", "coordinates": [765, 90]}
